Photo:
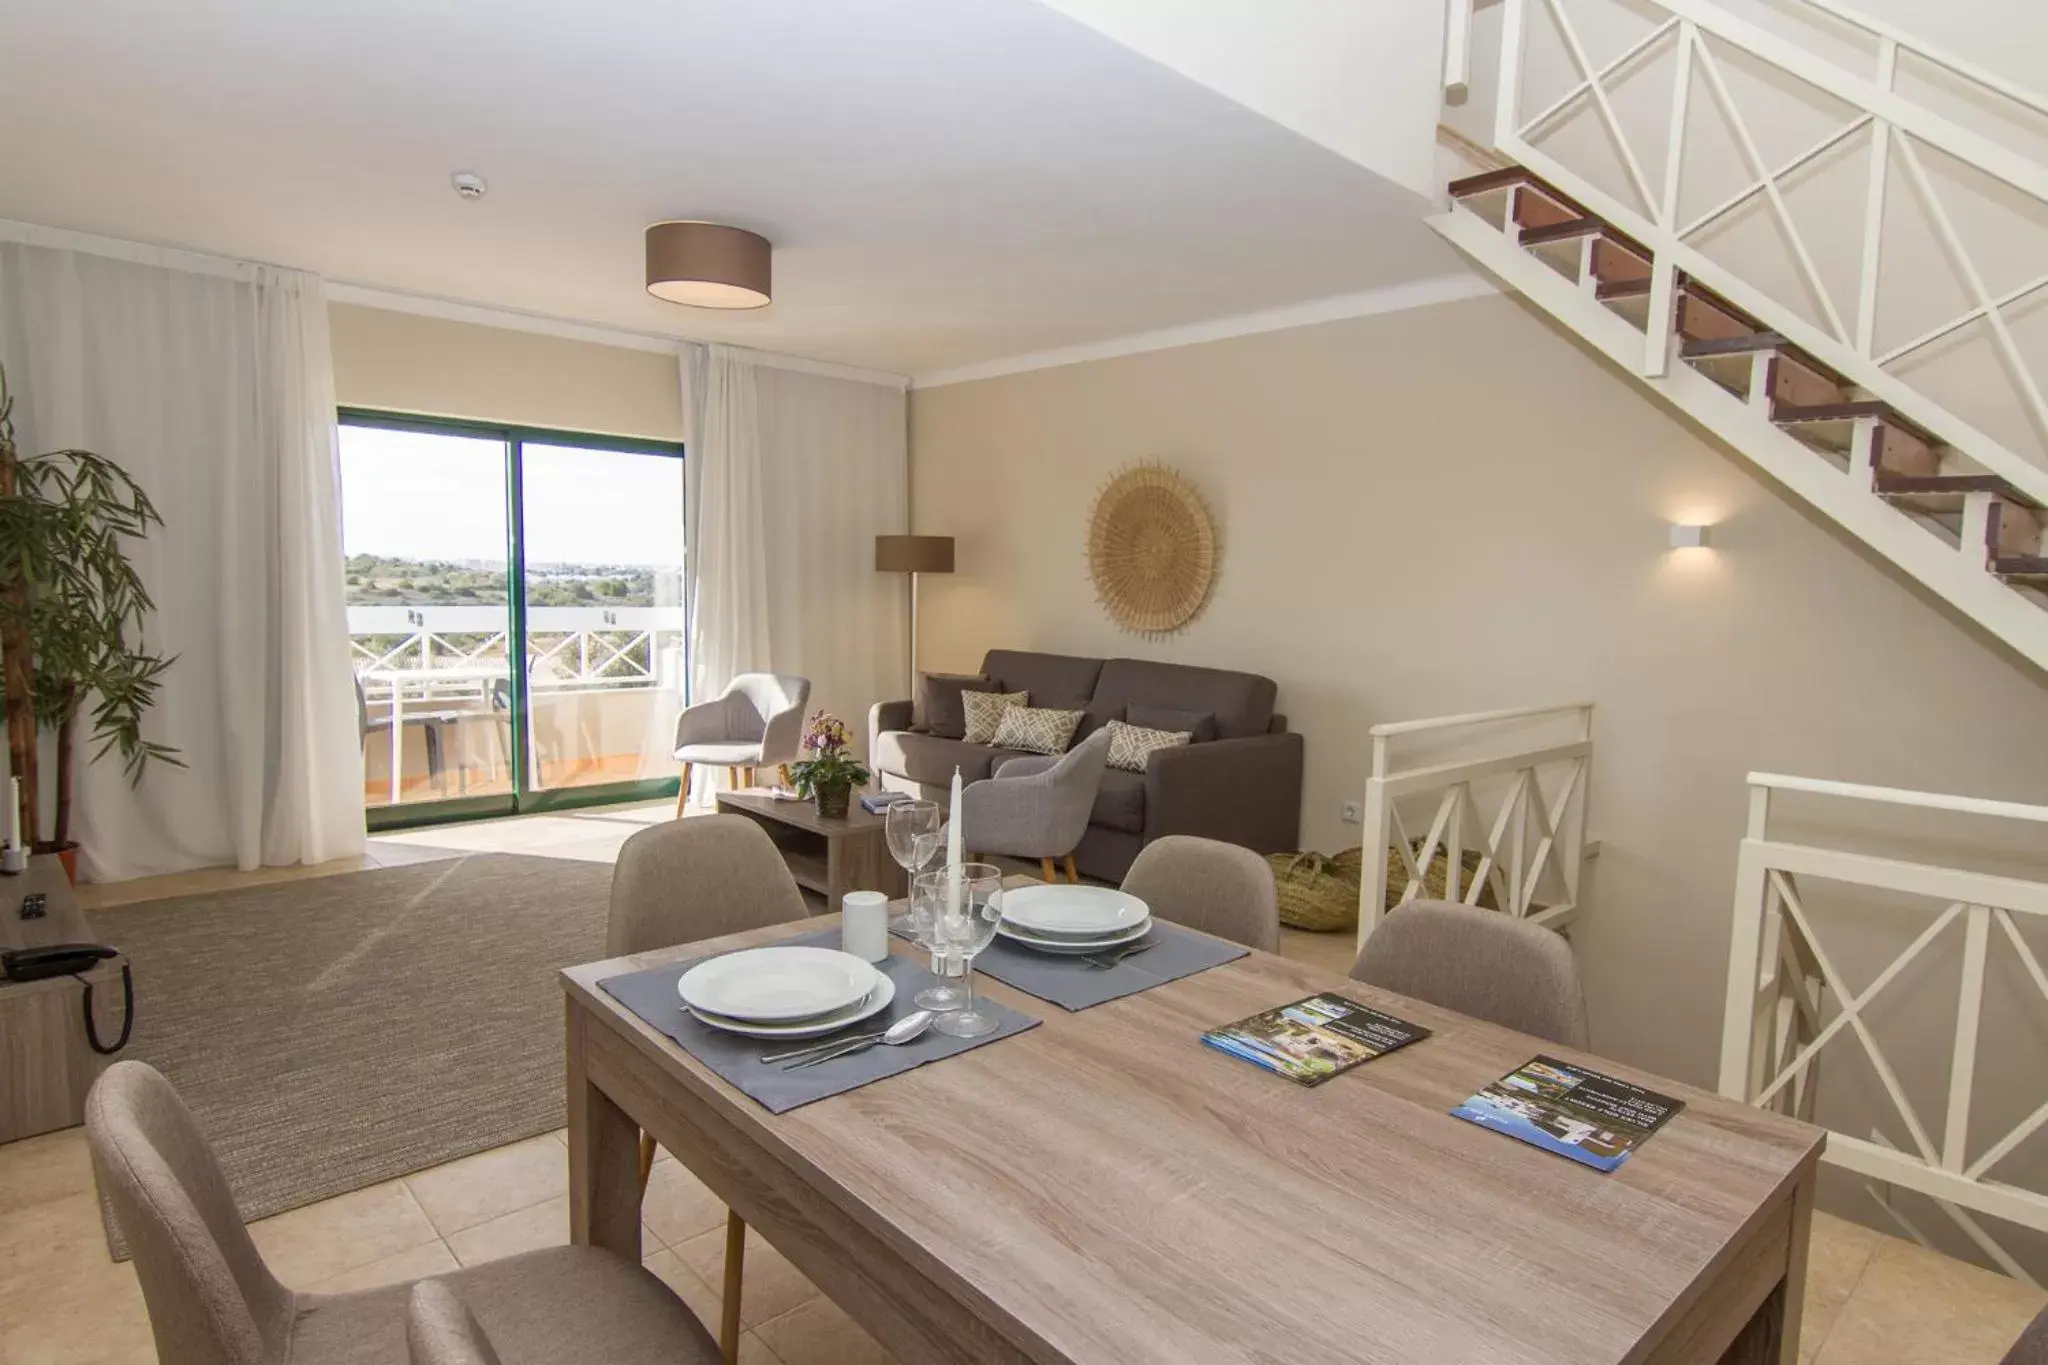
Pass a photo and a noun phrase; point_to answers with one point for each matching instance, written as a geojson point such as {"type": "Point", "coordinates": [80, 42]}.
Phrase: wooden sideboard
{"type": "Point", "coordinates": [46, 1065]}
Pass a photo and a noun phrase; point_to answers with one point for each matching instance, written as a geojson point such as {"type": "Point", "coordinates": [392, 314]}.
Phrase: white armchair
{"type": "Point", "coordinates": [757, 722]}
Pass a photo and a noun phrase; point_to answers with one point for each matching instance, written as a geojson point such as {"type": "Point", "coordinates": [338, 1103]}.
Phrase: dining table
{"type": "Point", "coordinates": [1103, 1189]}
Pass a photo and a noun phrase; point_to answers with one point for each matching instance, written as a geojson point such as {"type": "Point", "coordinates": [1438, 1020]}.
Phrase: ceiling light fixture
{"type": "Point", "coordinates": [708, 265]}
{"type": "Point", "coordinates": [469, 184]}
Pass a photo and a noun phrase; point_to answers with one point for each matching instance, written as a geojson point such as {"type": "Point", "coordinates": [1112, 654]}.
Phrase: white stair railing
{"type": "Point", "coordinates": [1529, 764]}
{"type": "Point", "coordinates": [1897, 129]}
{"type": "Point", "coordinates": [1788, 1000]}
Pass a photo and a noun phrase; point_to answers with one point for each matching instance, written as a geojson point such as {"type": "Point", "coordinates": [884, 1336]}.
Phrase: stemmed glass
{"type": "Point", "coordinates": [915, 837]}
{"type": "Point", "coordinates": [964, 919]}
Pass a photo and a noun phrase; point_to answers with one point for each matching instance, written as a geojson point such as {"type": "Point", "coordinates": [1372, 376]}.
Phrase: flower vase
{"type": "Point", "coordinates": [832, 801]}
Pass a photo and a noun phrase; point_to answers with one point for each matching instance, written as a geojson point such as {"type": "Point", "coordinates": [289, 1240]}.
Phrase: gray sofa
{"type": "Point", "coordinates": [1243, 785]}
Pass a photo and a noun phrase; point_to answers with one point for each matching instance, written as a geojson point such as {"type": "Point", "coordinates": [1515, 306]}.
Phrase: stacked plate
{"type": "Point", "coordinates": [788, 992]}
{"type": "Point", "coordinates": [1076, 920]}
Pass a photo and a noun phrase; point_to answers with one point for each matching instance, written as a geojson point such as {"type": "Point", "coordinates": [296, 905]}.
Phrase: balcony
{"type": "Point", "coordinates": [435, 688]}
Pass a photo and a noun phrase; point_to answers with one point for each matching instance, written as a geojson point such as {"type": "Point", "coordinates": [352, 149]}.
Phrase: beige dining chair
{"type": "Point", "coordinates": [440, 1329]}
{"type": "Point", "coordinates": [213, 1301]}
{"type": "Point", "coordinates": [685, 880]}
{"type": "Point", "coordinates": [757, 722]}
{"type": "Point", "coordinates": [1209, 885]}
{"type": "Point", "coordinates": [1478, 962]}
{"type": "Point", "coordinates": [2032, 1347]}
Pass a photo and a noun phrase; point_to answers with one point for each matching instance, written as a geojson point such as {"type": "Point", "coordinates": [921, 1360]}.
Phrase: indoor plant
{"type": "Point", "coordinates": [828, 772]}
{"type": "Point", "coordinates": [72, 610]}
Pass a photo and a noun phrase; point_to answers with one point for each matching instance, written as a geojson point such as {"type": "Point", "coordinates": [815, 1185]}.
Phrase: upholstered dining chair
{"type": "Point", "coordinates": [755, 723]}
{"type": "Point", "coordinates": [213, 1301]}
{"type": "Point", "coordinates": [1209, 885]}
{"type": "Point", "coordinates": [440, 1329]}
{"type": "Point", "coordinates": [1478, 962]}
{"type": "Point", "coordinates": [1036, 806]}
{"type": "Point", "coordinates": [685, 880]}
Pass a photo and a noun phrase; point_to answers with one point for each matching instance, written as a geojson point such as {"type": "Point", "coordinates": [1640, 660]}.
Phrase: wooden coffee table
{"type": "Point", "coordinates": [829, 856]}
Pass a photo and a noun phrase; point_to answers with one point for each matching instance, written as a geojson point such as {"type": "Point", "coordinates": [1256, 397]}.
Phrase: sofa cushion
{"type": "Point", "coordinates": [1120, 802]}
{"type": "Point", "coordinates": [1131, 745]}
{"type": "Point", "coordinates": [1200, 725]}
{"type": "Point", "coordinates": [1056, 680]}
{"type": "Point", "coordinates": [1036, 729]}
{"type": "Point", "coordinates": [931, 759]}
{"type": "Point", "coordinates": [985, 712]}
{"type": "Point", "coordinates": [1241, 702]}
{"type": "Point", "coordinates": [936, 707]}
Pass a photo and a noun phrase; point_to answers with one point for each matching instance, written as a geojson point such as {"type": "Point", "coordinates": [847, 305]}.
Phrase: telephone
{"type": "Point", "coordinates": [72, 959]}
{"type": "Point", "coordinates": [52, 959]}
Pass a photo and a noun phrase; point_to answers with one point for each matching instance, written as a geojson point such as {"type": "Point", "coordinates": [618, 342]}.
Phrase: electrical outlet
{"type": "Point", "coordinates": [1352, 814]}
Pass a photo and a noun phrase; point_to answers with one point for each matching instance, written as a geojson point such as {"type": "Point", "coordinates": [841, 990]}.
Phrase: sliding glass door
{"type": "Point", "coordinates": [471, 547]}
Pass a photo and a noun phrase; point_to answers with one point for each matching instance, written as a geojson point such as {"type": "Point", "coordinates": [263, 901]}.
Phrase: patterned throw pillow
{"type": "Point", "coordinates": [1131, 745]}
{"type": "Point", "coordinates": [985, 713]}
{"type": "Point", "coordinates": [1037, 730]}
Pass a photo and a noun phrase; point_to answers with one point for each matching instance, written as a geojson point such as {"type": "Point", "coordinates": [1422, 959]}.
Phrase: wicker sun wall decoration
{"type": "Point", "coordinates": [1151, 550]}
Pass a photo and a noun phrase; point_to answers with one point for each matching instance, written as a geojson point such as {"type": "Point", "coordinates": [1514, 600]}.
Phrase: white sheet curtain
{"type": "Point", "coordinates": [210, 382]}
{"type": "Point", "coordinates": [793, 474]}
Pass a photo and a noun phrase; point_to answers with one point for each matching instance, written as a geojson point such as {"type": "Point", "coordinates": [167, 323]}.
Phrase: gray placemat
{"type": "Point", "coordinates": [1074, 985]}
{"type": "Point", "coordinates": [652, 995]}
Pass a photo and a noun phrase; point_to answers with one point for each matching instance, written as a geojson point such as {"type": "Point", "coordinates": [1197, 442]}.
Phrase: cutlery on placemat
{"type": "Point", "coordinates": [1110, 959]}
{"type": "Point", "coordinates": [899, 1033]}
{"type": "Point", "coordinates": [842, 1040]}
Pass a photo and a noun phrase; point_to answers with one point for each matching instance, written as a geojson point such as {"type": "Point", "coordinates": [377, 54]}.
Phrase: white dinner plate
{"type": "Point", "coordinates": [876, 1001]}
{"type": "Point", "coordinates": [1073, 910]}
{"type": "Point", "coordinates": [1072, 947]}
{"type": "Point", "coordinates": [784, 985]}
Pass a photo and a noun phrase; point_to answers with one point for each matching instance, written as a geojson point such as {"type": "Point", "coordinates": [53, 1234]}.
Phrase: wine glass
{"type": "Point", "coordinates": [927, 902]}
{"type": "Point", "coordinates": [913, 831]}
{"type": "Point", "coordinates": [964, 922]}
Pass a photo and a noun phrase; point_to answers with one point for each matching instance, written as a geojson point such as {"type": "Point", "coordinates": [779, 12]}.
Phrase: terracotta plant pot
{"type": "Point", "coordinates": [832, 801]}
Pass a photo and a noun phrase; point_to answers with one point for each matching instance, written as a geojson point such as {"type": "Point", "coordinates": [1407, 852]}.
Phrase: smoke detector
{"type": "Point", "coordinates": [469, 184]}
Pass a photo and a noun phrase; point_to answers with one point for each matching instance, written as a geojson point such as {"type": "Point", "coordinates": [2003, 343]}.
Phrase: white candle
{"type": "Point", "coordinates": [13, 812]}
{"type": "Point", "coordinates": [953, 858]}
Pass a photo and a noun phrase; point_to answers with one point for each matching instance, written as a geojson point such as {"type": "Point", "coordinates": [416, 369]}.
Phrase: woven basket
{"type": "Point", "coordinates": [1436, 881]}
{"type": "Point", "coordinates": [1317, 892]}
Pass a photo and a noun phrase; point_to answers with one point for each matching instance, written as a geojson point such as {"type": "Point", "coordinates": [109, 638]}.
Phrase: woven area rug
{"type": "Point", "coordinates": [334, 1032]}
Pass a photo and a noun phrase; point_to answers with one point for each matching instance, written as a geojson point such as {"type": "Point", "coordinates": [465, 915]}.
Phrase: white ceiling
{"type": "Point", "coordinates": [947, 182]}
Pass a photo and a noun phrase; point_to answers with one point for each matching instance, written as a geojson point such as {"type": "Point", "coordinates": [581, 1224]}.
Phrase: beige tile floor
{"type": "Point", "coordinates": [1871, 1299]}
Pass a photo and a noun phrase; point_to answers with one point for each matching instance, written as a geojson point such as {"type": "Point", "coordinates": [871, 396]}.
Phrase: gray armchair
{"type": "Point", "coordinates": [1036, 807]}
{"type": "Point", "coordinates": [757, 722]}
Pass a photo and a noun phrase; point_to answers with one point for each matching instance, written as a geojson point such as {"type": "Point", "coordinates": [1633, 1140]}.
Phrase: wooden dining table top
{"type": "Point", "coordinates": [1105, 1188]}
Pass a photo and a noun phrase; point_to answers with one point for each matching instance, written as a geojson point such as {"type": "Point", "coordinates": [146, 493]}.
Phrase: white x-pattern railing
{"type": "Point", "coordinates": [1531, 846]}
{"type": "Point", "coordinates": [1788, 999]}
{"type": "Point", "coordinates": [1846, 336]}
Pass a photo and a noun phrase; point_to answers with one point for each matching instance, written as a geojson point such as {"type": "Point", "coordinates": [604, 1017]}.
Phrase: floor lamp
{"type": "Point", "coordinates": [913, 555]}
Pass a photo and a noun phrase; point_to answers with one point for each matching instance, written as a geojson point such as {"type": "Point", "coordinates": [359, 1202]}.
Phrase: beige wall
{"type": "Point", "coordinates": [1454, 508]}
{"type": "Point", "coordinates": [408, 363]}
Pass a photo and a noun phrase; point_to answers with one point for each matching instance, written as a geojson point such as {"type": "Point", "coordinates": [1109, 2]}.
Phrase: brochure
{"type": "Point", "coordinates": [1312, 1040]}
{"type": "Point", "coordinates": [1593, 1119]}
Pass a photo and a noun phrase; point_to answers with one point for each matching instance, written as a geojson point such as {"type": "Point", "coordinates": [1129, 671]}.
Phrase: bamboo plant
{"type": "Point", "coordinates": [72, 611]}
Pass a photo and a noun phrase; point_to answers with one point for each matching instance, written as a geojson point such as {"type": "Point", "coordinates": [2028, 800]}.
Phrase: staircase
{"type": "Point", "coordinates": [1817, 406]}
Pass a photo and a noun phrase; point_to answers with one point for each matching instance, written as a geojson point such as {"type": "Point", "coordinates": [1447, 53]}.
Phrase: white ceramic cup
{"type": "Point", "coordinates": [864, 925]}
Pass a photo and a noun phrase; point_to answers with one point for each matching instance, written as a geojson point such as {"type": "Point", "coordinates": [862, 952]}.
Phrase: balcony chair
{"type": "Point", "coordinates": [434, 727]}
{"type": "Point", "coordinates": [213, 1301]}
{"type": "Point", "coordinates": [1036, 806]}
{"type": "Point", "coordinates": [1478, 962]}
{"type": "Point", "coordinates": [683, 882]}
{"type": "Point", "coordinates": [1218, 888]}
{"type": "Point", "coordinates": [757, 722]}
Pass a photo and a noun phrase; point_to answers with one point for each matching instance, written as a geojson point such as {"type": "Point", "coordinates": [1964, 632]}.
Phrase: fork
{"type": "Point", "coordinates": [1107, 960]}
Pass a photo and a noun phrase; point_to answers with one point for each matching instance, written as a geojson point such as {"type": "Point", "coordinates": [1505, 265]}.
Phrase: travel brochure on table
{"type": "Point", "coordinates": [1314, 1039]}
{"type": "Point", "coordinates": [1593, 1119]}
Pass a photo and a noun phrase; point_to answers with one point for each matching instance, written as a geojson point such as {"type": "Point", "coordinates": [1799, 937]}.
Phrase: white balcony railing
{"type": "Point", "coordinates": [568, 648]}
{"type": "Point", "coordinates": [1792, 992]}
{"type": "Point", "coordinates": [1529, 764]}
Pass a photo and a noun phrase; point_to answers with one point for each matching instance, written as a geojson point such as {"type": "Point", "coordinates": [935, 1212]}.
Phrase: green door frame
{"type": "Point", "coordinates": [523, 799]}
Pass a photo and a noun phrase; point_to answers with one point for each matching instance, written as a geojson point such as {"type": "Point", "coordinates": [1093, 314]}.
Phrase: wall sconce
{"type": "Point", "coordinates": [1687, 535]}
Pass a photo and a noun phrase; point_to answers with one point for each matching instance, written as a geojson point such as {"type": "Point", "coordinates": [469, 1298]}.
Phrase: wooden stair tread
{"type": "Point", "coordinates": [1795, 414]}
{"type": "Point", "coordinates": [1562, 232]}
{"type": "Point", "coordinates": [2020, 566]}
{"type": "Point", "coordinates": [1487, 181]}
{"type": "Point", "coordinates": [1761, 341]}
{"type": "Point", "coordinates": [1890, 484]}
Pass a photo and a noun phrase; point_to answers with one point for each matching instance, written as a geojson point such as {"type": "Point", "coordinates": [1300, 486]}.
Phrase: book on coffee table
{"type": "Point", "coordinates": [1593, 1119]}
{"type": "Point", "coordinates": [1312, 1040]}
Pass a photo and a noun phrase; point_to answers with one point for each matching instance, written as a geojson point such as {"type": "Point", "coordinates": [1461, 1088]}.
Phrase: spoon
{"type": "Point", "coordinates": [899, 1033]}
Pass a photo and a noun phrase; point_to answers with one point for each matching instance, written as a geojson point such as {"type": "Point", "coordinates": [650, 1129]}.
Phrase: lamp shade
{"type": "Point", "coordinates": [914, 554]}
{"type": "Point", "coordinates": [708, 265]}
